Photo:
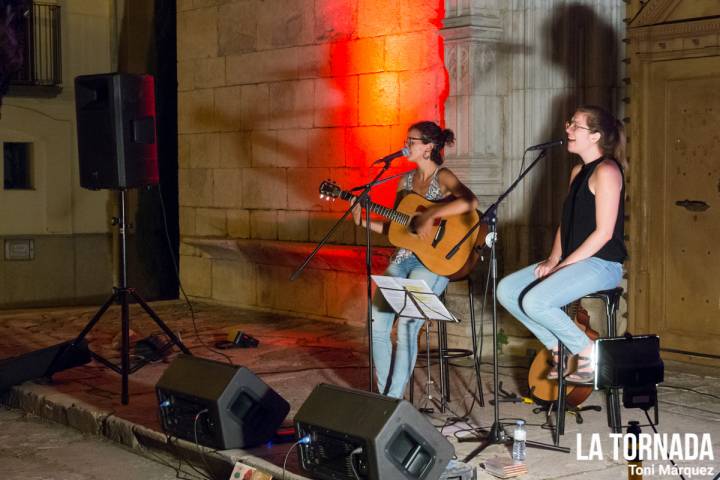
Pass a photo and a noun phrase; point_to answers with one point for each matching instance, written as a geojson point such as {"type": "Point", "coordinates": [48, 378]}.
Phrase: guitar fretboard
{"type": "Point", "coordinates": [386, 212]}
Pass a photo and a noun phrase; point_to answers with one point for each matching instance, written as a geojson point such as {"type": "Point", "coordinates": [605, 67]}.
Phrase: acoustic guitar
{"type": "Point", "coordinates": [544, 391]}
{"type": "Point", "coordinates": [446, 232]}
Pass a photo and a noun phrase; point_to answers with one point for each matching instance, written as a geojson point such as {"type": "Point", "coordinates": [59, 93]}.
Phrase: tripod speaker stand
{"type": "Point", "coordinates": [121, 296]}
{"type": "Point", "coordinates": [117, 150]}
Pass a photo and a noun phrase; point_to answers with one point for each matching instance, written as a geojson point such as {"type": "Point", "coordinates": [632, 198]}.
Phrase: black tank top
{"type": "Point", "coordinates": [578, 217]}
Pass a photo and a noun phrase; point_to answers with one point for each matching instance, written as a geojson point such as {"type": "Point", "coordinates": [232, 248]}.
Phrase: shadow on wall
{"type": "Point", "coordinates": [585, 47]}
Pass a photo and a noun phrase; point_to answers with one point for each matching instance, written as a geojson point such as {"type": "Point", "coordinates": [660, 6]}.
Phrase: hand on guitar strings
{"type": "Point", "coordinates": [357, 214]}
{"type": "Point", "coordinates": [422, 223]}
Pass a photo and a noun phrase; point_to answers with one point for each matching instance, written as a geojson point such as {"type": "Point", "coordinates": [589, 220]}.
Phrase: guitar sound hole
{"type": "Point", "coordinates": [412, 226]}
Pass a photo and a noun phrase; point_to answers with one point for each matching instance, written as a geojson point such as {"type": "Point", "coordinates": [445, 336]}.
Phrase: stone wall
{"type": "Point", "coordinates": [274, 97]}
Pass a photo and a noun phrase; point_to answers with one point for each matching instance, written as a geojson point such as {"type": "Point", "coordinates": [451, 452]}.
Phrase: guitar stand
{"type": "Point", "coordinates": [572, 410]}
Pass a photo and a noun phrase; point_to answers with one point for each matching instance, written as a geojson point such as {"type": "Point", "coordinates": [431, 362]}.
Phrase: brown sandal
{"type": "Point", "coordinates": [552, 374]}
{"type": "Point", "coordinates": [584, 374]}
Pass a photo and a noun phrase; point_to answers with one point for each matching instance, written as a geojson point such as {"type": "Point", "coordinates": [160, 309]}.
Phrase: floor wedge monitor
{"type": "Point", "coordinates": [356, 434]}
{"type": "Point", "coordinates": [225, 406]}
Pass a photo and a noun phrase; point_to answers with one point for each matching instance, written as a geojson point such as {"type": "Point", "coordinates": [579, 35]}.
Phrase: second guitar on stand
{"type": "Point", "coordinates": [446, 233]}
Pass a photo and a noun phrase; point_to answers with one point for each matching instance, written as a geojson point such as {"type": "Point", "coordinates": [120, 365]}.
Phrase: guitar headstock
{"type": "Point", "coordinates": [329, 190]}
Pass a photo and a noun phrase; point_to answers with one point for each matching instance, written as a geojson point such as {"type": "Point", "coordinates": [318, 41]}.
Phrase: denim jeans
{"type": "Point", "coordinates": [407, 329]}
{"type": "Point", "coordinates": [537, 303]}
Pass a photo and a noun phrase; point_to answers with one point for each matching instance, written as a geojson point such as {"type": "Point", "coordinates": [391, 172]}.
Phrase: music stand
{"type": "Point", "coordinates": [424, 304]}
{"type": "Point", "coordinates": [120, 295]}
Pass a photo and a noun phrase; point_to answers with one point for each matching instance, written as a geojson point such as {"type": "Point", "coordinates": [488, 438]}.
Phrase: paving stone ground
{"type": "Point", "coordinates": [32, 448]}
{"type": "Point", "coordinates": [294, 355]}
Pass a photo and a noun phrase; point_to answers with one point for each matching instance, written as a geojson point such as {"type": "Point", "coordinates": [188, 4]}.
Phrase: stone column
{"type": "Point", "coordinates": [475, 107]}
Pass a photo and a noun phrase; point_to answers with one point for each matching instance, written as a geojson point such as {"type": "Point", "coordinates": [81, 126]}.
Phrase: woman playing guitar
{"type": "Point", "coordinates": [425, 141]}
{"type": "Point", "coordinates": [588, 250]}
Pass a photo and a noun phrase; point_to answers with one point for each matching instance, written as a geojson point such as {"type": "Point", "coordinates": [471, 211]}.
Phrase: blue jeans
{"type": "Point", "coordinates": [407, 329]}
{"type": "Point", "coordinates": [537, 303]}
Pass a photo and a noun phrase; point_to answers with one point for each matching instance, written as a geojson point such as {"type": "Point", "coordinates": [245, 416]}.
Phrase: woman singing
{"type": "Point", "coordinates": [425, 141]}
{"type": "Point", "coordinates": [588, 250]}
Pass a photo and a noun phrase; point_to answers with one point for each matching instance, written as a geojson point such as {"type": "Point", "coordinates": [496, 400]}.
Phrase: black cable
{"type": "Point", "coordinates": [287, 455]}
{"type": "Point", "coordinates": [157, 458]}
{"type": "Point", "coordinates": [178, 455]}
{"type": "Point", "coordinates": [180, 285]}
{"type": "Point", "coordinates": [656, 433]}
{"type": "Point", "coordinates": [197, 444]}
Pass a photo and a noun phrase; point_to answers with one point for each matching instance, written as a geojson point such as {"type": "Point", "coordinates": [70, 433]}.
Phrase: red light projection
{"type": "Point", "coordinates": [386, 72]}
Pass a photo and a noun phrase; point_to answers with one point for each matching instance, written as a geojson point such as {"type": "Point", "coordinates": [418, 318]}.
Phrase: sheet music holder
{"type": "Point", "coordinates": [412, 298]}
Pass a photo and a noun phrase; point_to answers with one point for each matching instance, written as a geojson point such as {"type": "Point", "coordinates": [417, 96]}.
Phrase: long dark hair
{"type": "Point", "coordinates": [611, 130]}
{"type": "Point", "coordinates": [430, 132]}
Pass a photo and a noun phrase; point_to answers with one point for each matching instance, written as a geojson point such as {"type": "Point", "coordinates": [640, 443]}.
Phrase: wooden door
{"type": "Point", "coordinates": [683, 204]}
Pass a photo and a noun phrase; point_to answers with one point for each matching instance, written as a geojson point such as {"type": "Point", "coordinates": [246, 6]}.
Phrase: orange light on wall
{"type": "Point", "coordinates": [387, 71]}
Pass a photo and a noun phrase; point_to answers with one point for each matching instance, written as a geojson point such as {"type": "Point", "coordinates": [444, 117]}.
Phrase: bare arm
{"type": "Point", "coordinates": [607, 183]}
{"type": "Point", "coordinates": [378, 226]}
{"type": "Point", "coordinates": [375, 225]}
{"type": "Point", "coordinates": [465, 201]}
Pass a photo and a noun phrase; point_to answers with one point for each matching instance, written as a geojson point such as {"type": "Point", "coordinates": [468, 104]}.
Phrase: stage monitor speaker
{"type": "Point", "coordinates": [356, 434]}
{"type": "Point", "coordinates": [42, 363]}
{"type": "Point", "coordinates": [628, 361]}
{"type": "Point", "coordinates": [228, 406]}
{"type": "Point", "coordinates": [116, 130]}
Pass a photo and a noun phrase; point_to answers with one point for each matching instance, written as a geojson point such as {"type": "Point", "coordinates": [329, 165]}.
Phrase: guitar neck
{"type": "Point", "coordinates": [388, 213]}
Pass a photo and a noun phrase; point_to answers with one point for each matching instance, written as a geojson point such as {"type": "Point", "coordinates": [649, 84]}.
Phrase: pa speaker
{"type": "Point", "coordinates": [116, 130]}
{"type": "Point", "coordinates": [356, 434]}
{"type": "Point", "coordinates": [42, 363]}
{"type": "Point", "coordinates": [221, 405]}
{"type": "Point", "coordinates": [629, 361]}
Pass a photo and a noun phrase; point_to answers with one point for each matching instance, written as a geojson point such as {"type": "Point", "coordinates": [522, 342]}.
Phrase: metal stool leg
{"type": "Point", "coordinates": [612, 395]}
{"type": "Point", "coordinates": [561, 407]}
{"type": "Point", "coordinates": [443, 366]}
{"type": "Point", "coordinates": [476, 355]}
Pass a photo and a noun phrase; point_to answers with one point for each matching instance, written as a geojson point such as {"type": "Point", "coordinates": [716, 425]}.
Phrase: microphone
{"type": "Point", "coordinates": [389, 158]}
{"type": "Point", "coordinates": [543, 146]}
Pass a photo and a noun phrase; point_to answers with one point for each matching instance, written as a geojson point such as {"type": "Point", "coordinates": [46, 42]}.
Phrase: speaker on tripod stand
{"type": "Point", "coordinates": [117, 151]}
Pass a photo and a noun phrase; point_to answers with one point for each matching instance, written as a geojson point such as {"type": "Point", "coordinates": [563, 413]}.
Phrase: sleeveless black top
{"type": "Point", "coordinates": [578, 217]}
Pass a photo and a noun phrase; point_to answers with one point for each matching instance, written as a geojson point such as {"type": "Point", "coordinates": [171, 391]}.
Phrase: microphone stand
{"type": "Point", "coordinates": [363, 199]}
{"type": "Point", "coordinates": [496, 433]}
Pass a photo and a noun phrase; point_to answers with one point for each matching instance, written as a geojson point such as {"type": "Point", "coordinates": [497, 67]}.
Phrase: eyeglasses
{"type": "Point", "coordinates": [409, 140]}
{"type": "Point", "coordinates": [572, 125]}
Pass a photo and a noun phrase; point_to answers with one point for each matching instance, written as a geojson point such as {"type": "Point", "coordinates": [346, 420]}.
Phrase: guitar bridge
{"type": "Point", "coordinates": [439, 234]}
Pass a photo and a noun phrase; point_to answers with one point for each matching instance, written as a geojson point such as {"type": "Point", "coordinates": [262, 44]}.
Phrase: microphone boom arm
{"type": "Point", "coordinates": [490, 215]}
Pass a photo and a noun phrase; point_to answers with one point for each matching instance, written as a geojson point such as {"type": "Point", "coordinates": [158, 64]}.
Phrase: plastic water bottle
{"type": "Point", "coordinates": [518, 451]}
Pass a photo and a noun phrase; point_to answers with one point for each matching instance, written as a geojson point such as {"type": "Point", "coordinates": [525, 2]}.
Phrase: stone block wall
{"type": "Point", "coordinates": [274, 97]}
